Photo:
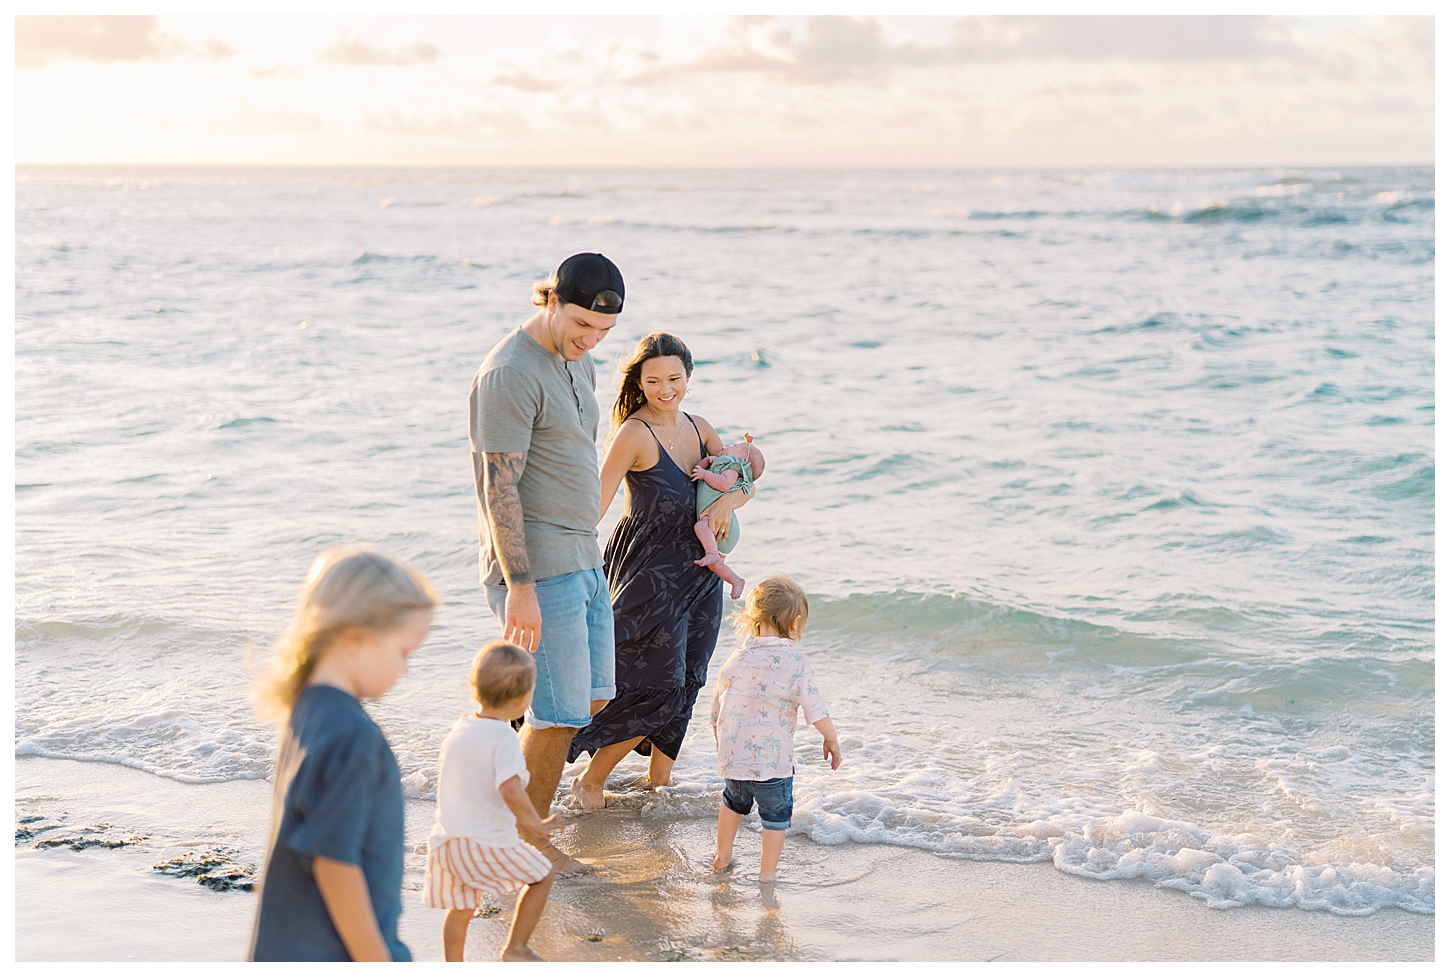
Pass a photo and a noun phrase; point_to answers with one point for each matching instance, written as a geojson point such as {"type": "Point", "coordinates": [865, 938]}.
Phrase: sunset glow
{"type": "Point", "coordinates": [725, 91]}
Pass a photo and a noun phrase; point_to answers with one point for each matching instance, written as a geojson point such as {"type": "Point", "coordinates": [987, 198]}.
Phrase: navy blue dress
{"type": "Point", "coordinates": [666, 614]}
{"type": "Point", "coordinates": [337, 794]}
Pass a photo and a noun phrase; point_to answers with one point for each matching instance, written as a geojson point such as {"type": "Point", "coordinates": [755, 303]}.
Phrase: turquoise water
{"type": "Point", "coordinates": [1114, 490]}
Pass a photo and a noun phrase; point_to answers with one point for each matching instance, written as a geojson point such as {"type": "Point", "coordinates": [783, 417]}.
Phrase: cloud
{"type": "Point", "coordinates": [42, 40]}
{"type": "Point", "coordinates": [355, 51]}
{"type": "Point", "coordinates": [524, 82]}
{"type": "Point", "coordinates": [1122, 37]}
{"type": "Point", "coordinates": [1407, 40]}
{"type": "Point", "coordinates": [1100, 87]}
{"type": "Point", "coordinates": [216, 50]}
{"type": "Point", "coordinates": [503, 122]}
{"type": "Point", "coordinates": [833, 49]}
{"type": "Point", "coordinates": [279, 120]}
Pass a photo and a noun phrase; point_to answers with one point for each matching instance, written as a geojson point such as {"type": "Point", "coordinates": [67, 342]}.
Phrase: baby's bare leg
{"type": "Point", "coordinates": [715, 561]}
{"type": "Point", "coordinates": [725, 829]}
{"type": "Point", "coordinates": [526, 916]}
{"type": "Point", "coordinates": [771, 842]}
{"type": "Point", "coordinates": [455, 934]}
{"type": "Point", "coordinates": [707, 540]}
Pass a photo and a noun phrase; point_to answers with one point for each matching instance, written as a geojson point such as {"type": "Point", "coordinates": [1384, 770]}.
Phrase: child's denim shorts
{"type": "Point", "coordinates": [775, 797]}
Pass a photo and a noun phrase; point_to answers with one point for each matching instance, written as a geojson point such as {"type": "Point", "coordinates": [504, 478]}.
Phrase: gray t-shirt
{"type": "Point", "coordinates": [524, 398]}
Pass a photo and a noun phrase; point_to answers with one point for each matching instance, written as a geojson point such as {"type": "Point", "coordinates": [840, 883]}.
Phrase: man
{"type": "Point", "coordinates": [532, 424]}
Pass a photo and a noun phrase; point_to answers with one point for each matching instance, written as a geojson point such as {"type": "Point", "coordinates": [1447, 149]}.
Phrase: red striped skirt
{"type": "Point", "coordinates": [461, 872]}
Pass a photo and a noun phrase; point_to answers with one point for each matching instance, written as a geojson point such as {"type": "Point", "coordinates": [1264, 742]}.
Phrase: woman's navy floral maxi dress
{"type": "Point", "coordinates": [666, 614]}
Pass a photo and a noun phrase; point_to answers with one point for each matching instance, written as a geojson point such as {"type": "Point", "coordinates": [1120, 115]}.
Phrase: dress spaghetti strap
{"type": "Point", "coordinates": [652, 433]}
{"type": "Point", "coordinates": [703, 452]}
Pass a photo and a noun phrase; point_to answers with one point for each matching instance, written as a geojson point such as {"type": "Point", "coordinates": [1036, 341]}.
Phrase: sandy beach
{"type": "Point", "coordinates": [654, 897]}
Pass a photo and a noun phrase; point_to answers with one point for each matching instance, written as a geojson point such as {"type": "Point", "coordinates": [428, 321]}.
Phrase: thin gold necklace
{"type": "Point", "coordinates": [669, 438]}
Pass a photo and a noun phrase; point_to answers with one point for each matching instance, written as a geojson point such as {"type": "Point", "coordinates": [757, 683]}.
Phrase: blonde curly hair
{"type": "Point", "coordinates": [777, 602]}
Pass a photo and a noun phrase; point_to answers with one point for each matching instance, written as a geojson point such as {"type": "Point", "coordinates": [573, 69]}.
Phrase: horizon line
{"type": "Point", "coordinates": [703, 168]}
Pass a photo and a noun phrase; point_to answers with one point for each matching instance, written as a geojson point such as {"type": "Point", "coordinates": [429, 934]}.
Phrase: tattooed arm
{"type": "Point", "coordinates": [500, 476]}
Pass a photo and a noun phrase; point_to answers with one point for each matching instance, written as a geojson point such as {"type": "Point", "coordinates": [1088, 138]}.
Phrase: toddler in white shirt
{"type": "Point", "coordinates": [475, 849]}
{"type": "Point", "coordinates": [758, 693]}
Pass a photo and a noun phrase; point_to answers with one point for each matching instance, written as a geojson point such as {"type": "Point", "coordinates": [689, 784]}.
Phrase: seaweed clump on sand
{"type": "Point", "coordinates": [214, 869]}
{"type": "Point", "coordinates": [28, 827]}
{"type": "Point", "coordinates": [91, 836]}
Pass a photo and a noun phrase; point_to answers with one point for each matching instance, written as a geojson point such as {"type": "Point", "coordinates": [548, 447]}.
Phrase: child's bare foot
{"type": "Point", "coordinates": [521, 956]}
{"type": "Point", "coordinates": [721, 864]}
{"type": "Point", "coordinates": [566, 866]}
{"type": "Point", "coordinates": [709, 560]}
{"type": "Point", "coordinates": [590, 798]}
{"type": "Point", "coordinates": [737, 585]}
{"type": "Point", "coordinates": [767, 879]}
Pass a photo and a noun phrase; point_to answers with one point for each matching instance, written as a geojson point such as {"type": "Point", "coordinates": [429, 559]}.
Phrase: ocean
{"type": "Point", "coordinates": [1113, 490]}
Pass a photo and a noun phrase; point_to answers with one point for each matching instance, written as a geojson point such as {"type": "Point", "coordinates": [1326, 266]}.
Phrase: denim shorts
{"type": "Point", "coordinates": [775, 797]}
{"type": "Point", "coordinates": [575, 657]}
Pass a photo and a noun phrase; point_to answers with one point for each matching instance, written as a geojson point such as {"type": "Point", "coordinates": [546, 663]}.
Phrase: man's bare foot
{"type": "Point", "coordinates": [590, 798]}
{"type": "Point", "coordinates": [566, 866]}
{"type": "Point", "coordinates": [718, 866]}
{"type": "Point", "coordinates": [709, 561]}
{"type": "Point", "coordinates": [521, 956]}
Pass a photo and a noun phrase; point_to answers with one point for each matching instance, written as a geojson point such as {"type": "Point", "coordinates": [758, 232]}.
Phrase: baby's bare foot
{"type": "Point", "coordinates": [521, 956]}
{"type": "Point", "coordinates": [709, 561]}
{"type": "Point", "coordinates": [737, 586]}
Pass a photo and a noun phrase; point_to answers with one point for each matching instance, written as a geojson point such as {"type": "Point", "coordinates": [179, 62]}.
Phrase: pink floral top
{"type": "Point", "coordinates": [757, 694]}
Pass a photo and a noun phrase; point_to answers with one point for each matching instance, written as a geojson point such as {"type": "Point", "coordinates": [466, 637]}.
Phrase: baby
{"type": "Point", "coordinates": [735, 469]}
{"type": "Point", "coordinates": [475, 850]}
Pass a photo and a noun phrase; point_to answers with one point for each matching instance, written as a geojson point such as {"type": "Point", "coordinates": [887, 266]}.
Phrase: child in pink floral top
{"type": "Point", "coordinates": [757, 695]}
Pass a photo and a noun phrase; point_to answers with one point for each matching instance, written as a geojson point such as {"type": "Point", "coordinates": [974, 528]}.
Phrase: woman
{"type": "Point", "coordinates": [666, 609]}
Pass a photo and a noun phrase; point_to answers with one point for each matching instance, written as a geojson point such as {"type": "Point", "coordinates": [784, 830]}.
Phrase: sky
{"type": "Point", "coordinates": [724, 91]}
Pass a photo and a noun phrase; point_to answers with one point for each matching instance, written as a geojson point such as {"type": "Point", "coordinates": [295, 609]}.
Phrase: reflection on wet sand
{"type": "Point", "coordinates": [654, 897]}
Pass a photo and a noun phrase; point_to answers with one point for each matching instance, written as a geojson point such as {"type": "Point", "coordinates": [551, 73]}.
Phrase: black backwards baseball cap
{"type": "Point", "coordinates": [591, 281]}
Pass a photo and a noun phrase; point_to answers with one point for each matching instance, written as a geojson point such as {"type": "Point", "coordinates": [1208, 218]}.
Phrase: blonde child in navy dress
{"type": "Point", "coordinates": [333, 876]}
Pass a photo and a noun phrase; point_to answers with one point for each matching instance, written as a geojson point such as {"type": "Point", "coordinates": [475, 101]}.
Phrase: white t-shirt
{"type": "Point", "coordinates": [477, 756]}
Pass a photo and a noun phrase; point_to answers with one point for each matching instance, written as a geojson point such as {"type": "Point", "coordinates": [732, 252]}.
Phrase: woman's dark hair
{"type": "Point", "coordinates": [631, 397]}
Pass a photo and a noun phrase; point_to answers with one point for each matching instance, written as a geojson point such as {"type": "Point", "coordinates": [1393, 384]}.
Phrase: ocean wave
{"type": "Point", "coordinates": [1225, 869]}
{"type": "Point", "coordinates": [990, 634]}
{"type": "Point", "coordinates": [1266, 211]}
{"type": "Point", "coordinates": [730, 227]}
{"type": "Point", "coordinates": [369, 257]}
{"type": "Point", "coordinates": [877, 799]}
{"type": "Point", "coordinates": [174, 743]}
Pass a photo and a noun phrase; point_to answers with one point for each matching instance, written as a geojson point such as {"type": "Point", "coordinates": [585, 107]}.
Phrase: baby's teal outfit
{"type": "Point", "coordinates": [704, 494]}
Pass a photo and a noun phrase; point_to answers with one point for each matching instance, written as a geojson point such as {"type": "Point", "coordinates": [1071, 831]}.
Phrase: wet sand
{"type": "Point", "coordinates": [655, 897]}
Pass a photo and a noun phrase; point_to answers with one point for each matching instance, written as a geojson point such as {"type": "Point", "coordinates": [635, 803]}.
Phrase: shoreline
{"type": "Point", "coordinates": [655, 897]}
